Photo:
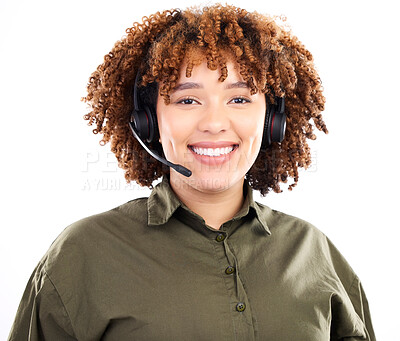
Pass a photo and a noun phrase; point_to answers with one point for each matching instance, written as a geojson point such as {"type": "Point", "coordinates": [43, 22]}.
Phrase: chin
{"type": "Point", "coordinates": [213, 182]}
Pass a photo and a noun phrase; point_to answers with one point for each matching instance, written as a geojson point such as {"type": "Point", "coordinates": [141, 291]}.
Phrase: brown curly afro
{"type": "Point", "coordinates": [270, 58]}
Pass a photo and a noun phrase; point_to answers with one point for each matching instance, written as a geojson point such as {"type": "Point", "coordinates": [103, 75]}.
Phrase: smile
{"type": "Point", "coordinates": [213, 156]}
{"type": "Point", "coordinates": [212, 152]}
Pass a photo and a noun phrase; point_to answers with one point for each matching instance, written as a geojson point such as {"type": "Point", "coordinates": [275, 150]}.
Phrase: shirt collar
{"type": "Point", "coordinates": [163, 202]}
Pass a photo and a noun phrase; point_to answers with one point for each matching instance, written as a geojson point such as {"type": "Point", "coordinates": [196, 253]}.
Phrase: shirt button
{"type": "Point", "coordinates": [240, 307]}
{"type": "Point", "coordinates": [229, 270]}
{"type": "Point", "coordinates": [220, 237]}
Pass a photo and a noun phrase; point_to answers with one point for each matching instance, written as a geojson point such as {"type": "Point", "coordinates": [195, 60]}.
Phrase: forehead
{"type": "Point", "coordinates": [196, 66]}
{"type": "Point", "coordinates": [202, 77]}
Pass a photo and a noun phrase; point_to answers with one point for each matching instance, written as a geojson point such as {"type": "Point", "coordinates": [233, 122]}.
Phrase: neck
{"type": "Point", "coordinates": [214, 206]}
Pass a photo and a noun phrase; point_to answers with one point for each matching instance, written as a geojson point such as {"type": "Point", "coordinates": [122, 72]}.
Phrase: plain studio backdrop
{"type": "Point", "coordinates": [54, 172]}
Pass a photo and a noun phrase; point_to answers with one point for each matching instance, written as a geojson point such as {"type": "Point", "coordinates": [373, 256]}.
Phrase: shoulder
{"type": "Point", "coordinates": [94, 248]}
{"type": "Point", "coordinates": [129, 215]}
{"type": "Point", "coordinates": [297, 237]}
{"type": "Point", "coordinates": [91, 237]}
{"type": "Point", "coordinates": [283, 224]}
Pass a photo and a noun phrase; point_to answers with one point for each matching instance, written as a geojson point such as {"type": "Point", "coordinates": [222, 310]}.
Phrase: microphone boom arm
{"type": "Point", "coordinates": [180, 169]}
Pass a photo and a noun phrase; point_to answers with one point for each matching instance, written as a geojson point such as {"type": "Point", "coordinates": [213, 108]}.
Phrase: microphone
{"type": "Point", "coordinates": [179, 168]}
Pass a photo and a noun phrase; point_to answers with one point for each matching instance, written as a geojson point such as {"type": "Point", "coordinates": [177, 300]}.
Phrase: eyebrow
{"type": "Point", "coordinates": [187, 85]}
{"type": "Point", "coordinates": [237, 85]}
{"type": "Point", "coordinates": [193, 85]}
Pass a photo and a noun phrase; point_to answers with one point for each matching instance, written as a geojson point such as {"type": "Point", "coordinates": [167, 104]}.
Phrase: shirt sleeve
{"type": "Point", "coordinates": [346, 327]}
{"type": "Point", "coordinates": [41, 314]}
{"type": "Point", "coordinates": [360, 304]}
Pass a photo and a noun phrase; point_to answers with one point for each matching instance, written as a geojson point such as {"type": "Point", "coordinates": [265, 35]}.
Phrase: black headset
{"type": "Point", "coordinates": [143, 124]}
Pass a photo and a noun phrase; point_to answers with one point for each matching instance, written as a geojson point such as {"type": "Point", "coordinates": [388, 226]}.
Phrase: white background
{"type": "Point", "coordinates": [54, 172]}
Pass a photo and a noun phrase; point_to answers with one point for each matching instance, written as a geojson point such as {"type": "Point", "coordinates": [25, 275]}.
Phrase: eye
{"type": "Point", "coordinates": [186, 101]}
{"type": "Point", "coordinates": [240, 100]}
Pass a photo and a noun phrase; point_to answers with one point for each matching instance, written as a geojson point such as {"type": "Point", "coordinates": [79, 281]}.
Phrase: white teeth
{"type": "Point", "coordinates": [211, 151]}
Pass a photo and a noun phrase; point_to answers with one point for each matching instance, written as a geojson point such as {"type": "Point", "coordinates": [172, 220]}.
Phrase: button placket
{"type": "Point", "coordinates": [231, 270]}
{"type": "Point", "coordinates": [229, 266]}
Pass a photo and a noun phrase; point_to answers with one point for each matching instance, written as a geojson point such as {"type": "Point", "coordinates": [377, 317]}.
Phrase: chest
{"type": "Point", "coordinates": [218, 293]}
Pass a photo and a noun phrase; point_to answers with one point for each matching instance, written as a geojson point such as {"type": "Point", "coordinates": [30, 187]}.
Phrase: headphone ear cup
{"type": "Point", "coordinates": [279, 127]}
{"type": "Point", "coordinates": [152, 125]}
{"type": "Point", "coordinates": [145, 123]}
{"type": "Point", "coordinates": [266, 141]}
{"type": "Point", "coordinates": [140, 122]}
{"type": "Point", "coordinates": [275, 122]}
{"type": "Point", "coordinates": [278, 120]}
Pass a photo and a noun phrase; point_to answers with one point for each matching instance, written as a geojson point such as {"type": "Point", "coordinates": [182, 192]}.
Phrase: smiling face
{"type": "Point", "coordinates": [212, 128]}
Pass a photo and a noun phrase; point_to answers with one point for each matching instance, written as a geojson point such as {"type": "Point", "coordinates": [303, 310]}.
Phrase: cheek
{"type": "Point", "coordinates": [251, 129]}
{"type": "Point", "coordinates": [173, 129]}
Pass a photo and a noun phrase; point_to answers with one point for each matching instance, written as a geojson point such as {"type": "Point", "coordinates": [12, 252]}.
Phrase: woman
{"type": "Point", "coordinates": [211, 89]}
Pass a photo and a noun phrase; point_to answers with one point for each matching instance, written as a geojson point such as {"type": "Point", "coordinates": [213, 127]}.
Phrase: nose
{"type": "Point", "coordinates": [214, 119]}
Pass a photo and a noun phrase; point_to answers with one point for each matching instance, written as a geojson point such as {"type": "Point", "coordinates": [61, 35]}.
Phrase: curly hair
{"type": "Point", "coordinates": [271, 60]}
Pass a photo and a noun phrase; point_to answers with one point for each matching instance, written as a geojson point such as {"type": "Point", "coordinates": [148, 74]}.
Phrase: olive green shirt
{"type": "Point", "coordinates": [152, 270]}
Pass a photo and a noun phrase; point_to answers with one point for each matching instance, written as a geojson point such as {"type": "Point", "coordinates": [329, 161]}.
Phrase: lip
{"type": "Point", "coordinates": [209, 144]}
{"type": "Point", "coordinates": [214, 160]}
